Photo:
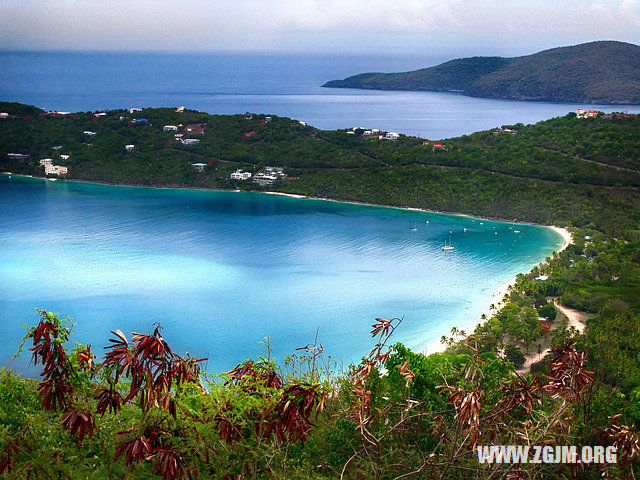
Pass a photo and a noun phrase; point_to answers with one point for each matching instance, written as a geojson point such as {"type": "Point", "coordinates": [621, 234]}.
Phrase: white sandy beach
{"type": "Point", "coordinates": [496, 300]}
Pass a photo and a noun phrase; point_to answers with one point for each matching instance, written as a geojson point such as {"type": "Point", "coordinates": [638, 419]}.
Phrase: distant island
{"type": "Point", "coordinates": [604, 72]}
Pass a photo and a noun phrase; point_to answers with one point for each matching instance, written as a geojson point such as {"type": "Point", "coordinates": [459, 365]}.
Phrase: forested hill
{"type": "Point", "coordinates": [567, 170]}
{"type": "Point", "coordinates": [598, 72]}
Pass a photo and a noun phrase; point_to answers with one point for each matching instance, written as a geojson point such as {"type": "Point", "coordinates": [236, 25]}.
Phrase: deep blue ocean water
{"type": "Point", "coordinates": [222, 270]}
{"type": "Point", "coordinates": [286, 85]}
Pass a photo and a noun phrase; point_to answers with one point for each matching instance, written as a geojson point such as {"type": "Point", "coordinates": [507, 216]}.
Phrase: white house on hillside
{"type": "Point", "coordinates": [240, 175]}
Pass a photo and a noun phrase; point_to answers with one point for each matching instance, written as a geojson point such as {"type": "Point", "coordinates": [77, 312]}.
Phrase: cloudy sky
{"type": "Point", "coordinates": [316, 26]}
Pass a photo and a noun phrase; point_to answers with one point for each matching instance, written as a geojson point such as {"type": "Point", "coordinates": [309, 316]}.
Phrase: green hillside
{"type": "Point", "coordinates": [598, 72]}
{"type": "Point", "coordinates": [563, 170]}
{"type": "Point", "coordinates": [456, 75]}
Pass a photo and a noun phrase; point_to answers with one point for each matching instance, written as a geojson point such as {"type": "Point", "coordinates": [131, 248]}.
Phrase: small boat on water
{"type": "Point", "coordinates": [448, 248]}
{"type": "Point", "coordinates": [414, 229]}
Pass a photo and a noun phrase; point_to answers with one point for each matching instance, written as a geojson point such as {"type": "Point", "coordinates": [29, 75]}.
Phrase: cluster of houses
{"type": "Point", "coordinates": [623, 114]}
{"type": "Point", "coordinates": [582, 113]}
{"type": "Point", "coordinates": [190, 129]}
{"type": "Point", "coordinates": [51, 169]}
{"type": "Point", "coordinates": [268, 176]}
{"type": "Point", "coordinates": [374, 133]}
{"type": "Point", "coordinates": [240, 175]}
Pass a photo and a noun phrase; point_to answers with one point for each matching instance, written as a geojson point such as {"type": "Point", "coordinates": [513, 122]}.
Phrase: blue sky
{"type": "Point", "coordinates": [506, 27]}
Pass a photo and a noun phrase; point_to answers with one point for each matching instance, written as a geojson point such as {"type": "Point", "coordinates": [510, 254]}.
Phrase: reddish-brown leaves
{"type": "Point", "coordinates": [568, 377]}
{"type": "Point", "coordinates": [86, 358]}
{"type": "Point", "coordinates": [521, 393]}
{"type": "Point", "coordinates": [79, 423]}
{"type": "Point", "coordinates": [295, 408]}
{"type": "Point", "coordinates": [288, 419]}
{"type": "Point", "coordinates": [382, 328]}
{"type": "Point", "coordinates": [625, 438]}
{"type": "Point", "coordinates": [54, 393]}
{"type": "Point", "coordinates": [7, 457]}
{"type": "Point", "coordinates": [468, 409]}
{"type": "Point", "coordinates": [169, 463]}
{"type": "Point", "coordinates": [134, 450]}
{"type": "Point", "coordinates": [151, 367]}
{"type": "Point", "coordinates": [249, 375]}
{"type": "Point", "coordinates": [48, 338]}
{"type": "Point", "coordinates": [108, 398]}
{"type": "Point", "coordinates": [406, 373]}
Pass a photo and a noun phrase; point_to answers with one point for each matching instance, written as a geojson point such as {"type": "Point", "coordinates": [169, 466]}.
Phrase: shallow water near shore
{"type": "Point", "coordinates": [222, 270]}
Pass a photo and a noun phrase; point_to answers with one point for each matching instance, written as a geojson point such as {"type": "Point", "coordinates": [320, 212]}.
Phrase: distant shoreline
{"type": "Point", "coordinates": [305, 197]}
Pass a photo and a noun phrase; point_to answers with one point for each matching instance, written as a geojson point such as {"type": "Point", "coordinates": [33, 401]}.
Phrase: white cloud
{"type": "Point", "coordinates": [322, 25]}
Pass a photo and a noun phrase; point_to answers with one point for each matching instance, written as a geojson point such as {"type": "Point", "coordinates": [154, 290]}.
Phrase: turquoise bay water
{"type": "Point", "coordinates": [222, 270]}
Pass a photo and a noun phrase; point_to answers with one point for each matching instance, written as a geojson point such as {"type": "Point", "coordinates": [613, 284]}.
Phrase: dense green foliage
{"type": "Point", "coordinates": [596, 72]}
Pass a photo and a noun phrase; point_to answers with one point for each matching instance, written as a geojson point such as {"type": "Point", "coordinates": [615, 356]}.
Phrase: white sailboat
{"type": "Point", "coordinates": [448, 247]}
